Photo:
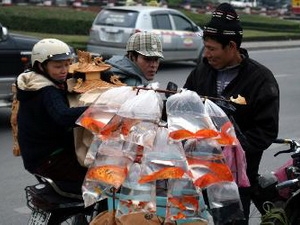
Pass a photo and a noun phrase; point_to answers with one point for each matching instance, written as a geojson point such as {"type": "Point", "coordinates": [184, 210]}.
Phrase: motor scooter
{"type": "Point", "coordinates": [279, 192]}
{"type": "Point", "coordinates": [52, 206]}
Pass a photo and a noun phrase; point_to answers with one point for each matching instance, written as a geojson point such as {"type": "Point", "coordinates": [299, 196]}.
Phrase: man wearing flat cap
{"type": "Point", "coordinates": [227, 71]}
{"type": "Point", "coordinates": [140, 64]}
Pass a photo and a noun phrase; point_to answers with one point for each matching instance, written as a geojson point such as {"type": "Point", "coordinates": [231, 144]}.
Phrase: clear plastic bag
{"type": "Point", "coordinates": [186, 111]}
{"type": "Point", "coordinates": [92, 151]}
{"type": "Point", "coordinates": [135, 197]}
{"type": "Point", "coordinates": [232, 149]}
{"type": "Point", "coordinates": [146, 105]}
{"type": "Point", "coordinates": [206, 162]}
{"type": "Point", "coordinates": [187, 117]}
{"type": "Point", "coordinates": [102, 110]}
{"type": "Point", "coordinates": [224, 203]}
{"type": "Point", "coordinates": [166, 160]}
{"type": "Point", "coordinates": [109, 169]}
{"type": "Point", "coordinates": [185, 203]}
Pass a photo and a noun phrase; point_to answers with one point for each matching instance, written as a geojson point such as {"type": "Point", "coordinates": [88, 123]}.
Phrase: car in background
{"type": "Point", "coordinates": [243, 3]}
{"type": "Point", "coordinates": [15, 53]}
{"type": "Point", "coordinates": [181, 37]}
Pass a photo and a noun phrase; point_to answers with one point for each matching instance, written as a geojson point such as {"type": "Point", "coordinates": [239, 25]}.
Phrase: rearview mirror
{"type": "Point", "coordinates": [171, 87]}
{"type": "Point", "coordinates": [3, 34]}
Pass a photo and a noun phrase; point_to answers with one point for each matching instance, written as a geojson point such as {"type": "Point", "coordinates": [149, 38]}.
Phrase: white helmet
{"type": "Point", "coordinates": [50, 49]}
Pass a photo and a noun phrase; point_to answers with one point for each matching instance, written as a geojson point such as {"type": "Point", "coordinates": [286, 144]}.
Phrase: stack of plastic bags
{"type": "Point", "coordinates": [206, 131]}
{"type": "Point", "coordinates": [133, 153]}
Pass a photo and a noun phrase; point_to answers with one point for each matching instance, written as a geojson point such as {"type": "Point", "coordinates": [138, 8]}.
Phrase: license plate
{"type": "Point", "coordinates": [111, 37]}
{"type": "Point", "coordinates": [39, 218]}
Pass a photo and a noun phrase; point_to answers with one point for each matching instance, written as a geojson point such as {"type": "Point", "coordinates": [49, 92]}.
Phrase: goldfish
{"type": "Point", "coordinates": [179, 216]}
{"type": "Point", "coordinates": [113, 125]}
{"type": "Point", "coordinates": [91, 124]}
{"type": "Point", "coordinates": [191, 200]}
{"type": "Point", "coordinates": [176, 202]}
{"type": "Point", "coordinates": [185, 134]}
{"type": "Point", "coordinates": [225, 137]}
{"type": "Point", "coordinates": [211, 158]}
{"type": "Point", "coordinates": [217, 172]}
{"type": "Point", "coordinates": [110, 174]}
{"type": "Point", "coordinates": [165, 173]}
{"type": "Point", "coordinates": [127, 124]}
{"type": "Point", "coordinates": [206, 180]}
{"type": "Point", "coordinates": [184, 201]}
{"type": "Point", "coordinates": [136, 206]}
{"type": "Point", "coordinates": [118, 124]}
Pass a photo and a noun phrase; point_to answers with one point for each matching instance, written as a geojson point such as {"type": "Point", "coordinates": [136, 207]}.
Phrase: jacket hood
{"type": "Point", "coordinates": [32, 81]}
{"type": "Point", "coordinates": [29, 83]}
{"type": "Point", "coordinates": [123, 65]}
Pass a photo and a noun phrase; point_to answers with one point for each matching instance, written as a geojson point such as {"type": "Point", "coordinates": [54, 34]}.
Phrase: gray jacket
{"type": "Point", "coordinates": [128, 72]}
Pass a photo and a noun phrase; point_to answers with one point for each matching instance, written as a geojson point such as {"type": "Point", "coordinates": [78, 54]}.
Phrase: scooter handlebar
{"type": "Point", "coordinates": [286, 184]}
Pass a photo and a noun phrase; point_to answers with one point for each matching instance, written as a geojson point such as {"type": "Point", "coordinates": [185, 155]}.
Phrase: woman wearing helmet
{"type": "Point", "coordinates": [139, 66]}
{"type": "Point", "coordinates": [45, 120]}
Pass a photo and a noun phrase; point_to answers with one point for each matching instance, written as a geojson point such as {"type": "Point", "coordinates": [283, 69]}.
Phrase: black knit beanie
{"type": "Point", "coordinates": [224, 22]}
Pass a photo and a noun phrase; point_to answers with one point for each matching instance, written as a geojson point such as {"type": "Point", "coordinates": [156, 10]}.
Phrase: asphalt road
{"type": "Point", "coordinates": [263, 45]}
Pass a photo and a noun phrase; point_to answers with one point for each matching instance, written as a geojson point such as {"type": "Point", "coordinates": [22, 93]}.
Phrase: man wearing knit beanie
{"type": "Point", "coordinates": [226, 72]}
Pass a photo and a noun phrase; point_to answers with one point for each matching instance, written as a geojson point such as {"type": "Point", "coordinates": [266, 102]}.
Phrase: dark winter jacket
{"type": "Point", "coordinates": [128, 72]}
{"type": "Point", "coordinates": [45, 120]}
{"type": "Point", "coordinates": [258, 119]}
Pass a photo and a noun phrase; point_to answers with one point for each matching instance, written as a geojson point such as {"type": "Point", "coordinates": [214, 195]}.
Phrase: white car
{"type": "Point", "coordinates": [181, 37]}
{"type": "Point", "coordinates": [243, 3]}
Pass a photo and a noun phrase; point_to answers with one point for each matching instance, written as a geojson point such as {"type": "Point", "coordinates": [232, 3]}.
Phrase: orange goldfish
{"type": "Point", "coordinates": [225, 137]}
{"type": "Point", "coordinates": [217, 172]}
{"type": "Point", "coordinates": [211, 158]}
{"type": "Point", "coordinates": [206, 180]}
{"type": "Point", "coordinates": [165, 173]}
{"type": "Point", "coordinates": [126, 203]}
{"type": "Point", "coordinates": [179, 216]}
{"type": "Point", "coordinates": [91, 124]}
{"type": "Point", "coordinates": [113, 125]}
{"type": "Point", "coordinates": [185, 134]}
{"type": "Point", "coordinates": [191, 200]}
{"type": "Point", "coordinates": [183, 202]}
{"type": "Point", "coordinates": [176, 202]}
{"type": "Point", "coordinates": [110, 174]}
{"type": "Point", "coordinates": [120, 124]}
{"type": "Point", "coordinates": [127, 123]}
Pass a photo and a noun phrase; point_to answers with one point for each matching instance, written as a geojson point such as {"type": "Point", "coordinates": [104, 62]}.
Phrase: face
{"type": "Point", "coordinates": [58, 70]}
{"type": "Point", "coordinates": [220, 57]}
{"type": "Point", "coordinates": [148, 65]}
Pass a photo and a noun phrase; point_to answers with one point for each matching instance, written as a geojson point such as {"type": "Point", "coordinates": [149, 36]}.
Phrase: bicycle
{"type": "Point", "coordinates": [50, 205]}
